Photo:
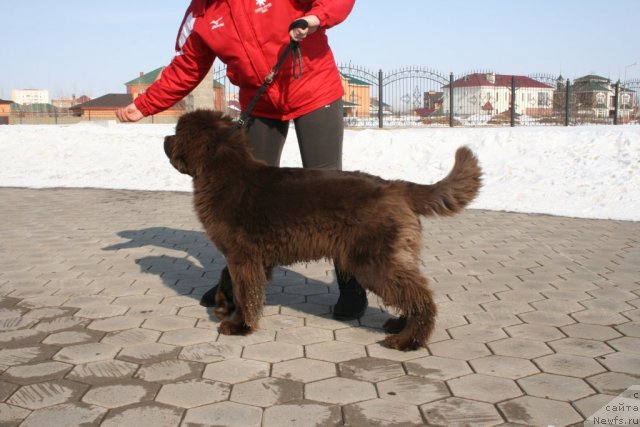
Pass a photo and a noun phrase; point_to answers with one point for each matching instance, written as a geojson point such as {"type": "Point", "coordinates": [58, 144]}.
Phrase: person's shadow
{"type": "Point", "coordinates": [190, 265]}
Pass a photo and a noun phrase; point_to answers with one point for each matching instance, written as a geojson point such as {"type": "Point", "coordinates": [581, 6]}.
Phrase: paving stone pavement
{"type": "Point", "coordinates": [539, 323]}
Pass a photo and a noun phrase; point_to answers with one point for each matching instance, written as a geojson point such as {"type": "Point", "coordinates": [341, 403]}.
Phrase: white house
{"type": "Point", "coordinates": [30, 96]}
{"type": "Point", "coordinates": [490, 94]}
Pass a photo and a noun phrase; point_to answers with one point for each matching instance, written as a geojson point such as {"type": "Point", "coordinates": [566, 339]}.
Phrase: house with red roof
{"type": "Point", "coordinates": [490, 94]}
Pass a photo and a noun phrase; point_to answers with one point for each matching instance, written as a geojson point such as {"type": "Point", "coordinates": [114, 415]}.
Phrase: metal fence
{"type": "Point", "coordinates": [419, 96]}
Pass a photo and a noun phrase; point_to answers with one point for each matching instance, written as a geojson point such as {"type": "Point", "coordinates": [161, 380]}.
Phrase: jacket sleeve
{"type": "Point", "coordinates": [330, 12]}
{"type": "Point", "coordinates": [187, 69]}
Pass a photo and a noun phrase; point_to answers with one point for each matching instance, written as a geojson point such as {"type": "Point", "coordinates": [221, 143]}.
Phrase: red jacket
{"type": "Point", "coordinates": [248, 36]}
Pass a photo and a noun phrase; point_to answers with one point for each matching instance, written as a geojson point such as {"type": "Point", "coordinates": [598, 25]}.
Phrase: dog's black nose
{"type": "Point", "coordinates": [168, 140]}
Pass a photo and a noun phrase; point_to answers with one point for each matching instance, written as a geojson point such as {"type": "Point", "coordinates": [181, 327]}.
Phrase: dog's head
{"type": "Point", "coordinates": [199, 135]}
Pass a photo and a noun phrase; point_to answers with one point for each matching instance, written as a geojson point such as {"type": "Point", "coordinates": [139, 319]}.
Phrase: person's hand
{"type": "Point", "coordinates": [298, 34]}
{"type": "Point", "coordinates": [130, 113]}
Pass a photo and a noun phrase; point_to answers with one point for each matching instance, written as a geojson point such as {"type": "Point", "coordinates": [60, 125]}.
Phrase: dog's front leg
{"type": "Point", "coordinates": [249, 280]}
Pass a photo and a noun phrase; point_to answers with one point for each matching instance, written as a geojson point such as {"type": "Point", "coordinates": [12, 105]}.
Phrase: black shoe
{"type": "Point", "coordinates": [352, 301]}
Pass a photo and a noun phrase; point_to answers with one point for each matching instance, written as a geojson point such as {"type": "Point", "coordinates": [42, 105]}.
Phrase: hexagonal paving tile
{"type": "Point", "coordinates": [515, 347]}
{"type": "Point", "coordinates": [371, 369]}
{"type": "Point", "coordinates": [103, 371]}
{"type": "Point", "coordinates": [118, 323]}
{"type": "Point", "coordinates": [612, 383]}
{"type": "Point", "coordinates": [360, 335]}
{"type": "Point", "coordinates": [459, 349]}
{"type": "Point", "coordinates": [85, 353]}
{"type": "Point", "coordinates": [504, 366]}
{"type": "Point", "coordinates": [626, 344]}
{"type": "Point", "coordinates": [224, 414]}
{"type": "Point", "coordinates": [304, 335]}
{"type": "Point", "coordinates": [189, 336]}
{"type": "Point", "coordinates": [122, 394]}
{"type": "Point", "coordinates": [568, 364]}
{"type": "Point", "coordinates": [170, 371]}
{"type": "Point", "coordinates": [169, 323]}
{"type": "Point", "coordinates": [42, 395]}
{"type": "Point", "coordinates": [529, 410]}
{"type": "Point", "coordinates": [148, 353]}
{"type": "Point", "coordinates": [210, 352]}
{"type": "Point", "coordinates": [382, 413]}
{"type": "Point", "coordinates": [70, 414]}
{"type": "Point", "coordinates": [65, 338]}
{"type": "Point", "coordinates": [335, 351]}
{"type": "Point", "coordinates": [273, 352]}
{"type": "Point", "coordinates": [414, 390]}
{"type": "Point", "coordinates": [340, 391]}
{"type": "Point", "coordinates": [628, 363]}
{"type": "Point", "coordinates": [439, 368]}
{"type": "Point", "coordinates": [535, 332]}
{"type": "Point", "coordinates": [267, 392]}
{"type": "Point", "coordinates": [234, 371]}
{"type": "Point", "coordinates": [592, 404]}
{"type": "Point", "coordinates": [301, 414]}
{"type": "Point", "coordinates": [484, 388]}
{"type": "Point", "coordinates": [145, 414]}
{"type": "Point", "coordinates": [558, 387]}
{"type": "Point", "coordinates": [581, 347]}
{"type": "Point", "coordinates": [590, 332]}
{"type": "Point", "coordinates": [279, 322]}
{"type": "Point", "coordinates": [304, 370]}
{"type": "Point", "coordinates": [192, 393]}
{"type": "Point", "coordinates": [131, 337]}
{"type": "Point", "coordinates": [477, 333]}
{"type": "Point", "coordinates": [455, 411]}
{"type": "Point", "coordinates": [12, 415]}
{"type": "Point", "coordinates": [257, 337]}
{"type": "Point", "coordinates": [381, 352]}
{"type": "Point", "coordinates": [40, 372]}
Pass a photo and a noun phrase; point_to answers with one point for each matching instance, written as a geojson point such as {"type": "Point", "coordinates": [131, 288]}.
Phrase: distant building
{"type": "Point", "coordinates": [5, 111]}
{"type": "Point", "coordinates": [69, 102]}
{"type": "Point", "coordinates": [490, 94]}
{"type": "Point", "coordinates": [103, 107]}
{"type": "Point", "coordinates": [208, 94]}
{"type": "Point", "coordinates": [357, 96]}
{"type": "Point", "coordinates": [30, 96]}
{"type": "Point", "coordinates": [594, 96]}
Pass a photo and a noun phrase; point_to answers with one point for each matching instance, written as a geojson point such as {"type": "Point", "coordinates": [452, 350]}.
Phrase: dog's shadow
{"type": "Point", "coordinates": [190, 265]}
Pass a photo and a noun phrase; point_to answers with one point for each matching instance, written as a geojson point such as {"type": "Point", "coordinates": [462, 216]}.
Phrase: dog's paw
{"type": "Point", "coordinates": [403, 343]}
{"type": "Point", "coordinates": [394, 326]}
{"type": "Point", "coordinates": [221, 312]}
{"type": "Point", "coordinates": [228, 327]}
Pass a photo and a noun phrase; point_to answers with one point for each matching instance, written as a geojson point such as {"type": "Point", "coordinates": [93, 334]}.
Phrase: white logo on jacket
{"type": "Point", "coordinates": [263, 6]}
{"type": "Point", "coordinates": [217, 23]}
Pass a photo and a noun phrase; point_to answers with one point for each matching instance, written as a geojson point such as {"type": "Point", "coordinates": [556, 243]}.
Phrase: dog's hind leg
{"type": "Point", "coordinates": [249, 280]}
{"type": "Point", "coordinates": [408, 291]}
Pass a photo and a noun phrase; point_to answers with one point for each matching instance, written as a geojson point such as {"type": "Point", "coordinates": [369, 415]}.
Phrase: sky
{"type": "Point", "coordinates": [93, 48]}
{"type": "Point", "coordinates": [578, 171]}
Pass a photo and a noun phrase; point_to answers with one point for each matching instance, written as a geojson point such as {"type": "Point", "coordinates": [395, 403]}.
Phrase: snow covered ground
{"type": "Point", "coordinates": [587, 172]}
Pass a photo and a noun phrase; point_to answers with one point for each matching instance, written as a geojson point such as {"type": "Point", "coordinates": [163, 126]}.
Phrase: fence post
{"type": "Point", "coordinates": [451, 124]}
{"type": "Point", "coordinates": [513, 101]}
{"type": "Point", "coordinates": [380, 109]}
{"type": "Point", "coordinates": [566, 103]}
{"type": "Point", "coordinates": [616, 99]}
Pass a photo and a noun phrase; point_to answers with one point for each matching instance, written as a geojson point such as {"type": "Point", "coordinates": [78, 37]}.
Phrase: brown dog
{"type": "Point", "coordinates": [260, 217]}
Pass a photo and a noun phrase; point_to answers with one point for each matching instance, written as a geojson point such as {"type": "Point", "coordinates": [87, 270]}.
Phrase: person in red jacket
{"type": "Point", "coordinates": [249, 37]}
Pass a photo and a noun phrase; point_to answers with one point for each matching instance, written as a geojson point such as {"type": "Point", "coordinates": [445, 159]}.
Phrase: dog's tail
{"type": "Point", "coordinates": [453, 193]}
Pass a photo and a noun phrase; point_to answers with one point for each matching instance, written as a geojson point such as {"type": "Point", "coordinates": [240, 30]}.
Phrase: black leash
{"type": "Point", "coordinates": [294, 48]}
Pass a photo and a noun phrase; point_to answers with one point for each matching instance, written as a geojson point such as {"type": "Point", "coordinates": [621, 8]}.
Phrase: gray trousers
{"type": "Point", "coordinates": [319, 133]}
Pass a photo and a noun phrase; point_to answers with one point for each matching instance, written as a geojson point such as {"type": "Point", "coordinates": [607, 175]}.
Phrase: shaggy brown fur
{"type": "Point", "coordinates": [260, 217]}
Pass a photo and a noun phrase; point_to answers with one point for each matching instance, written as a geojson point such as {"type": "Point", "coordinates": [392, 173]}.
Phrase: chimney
{"type": "Point", "coordinates": [491, 77]}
